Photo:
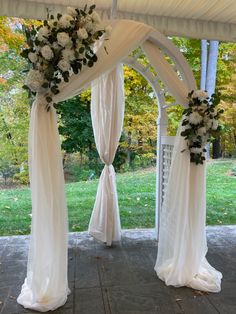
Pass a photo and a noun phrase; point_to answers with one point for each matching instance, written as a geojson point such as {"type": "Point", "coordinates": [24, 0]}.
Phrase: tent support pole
{"type": "Point", "coordinates": [114, 9]}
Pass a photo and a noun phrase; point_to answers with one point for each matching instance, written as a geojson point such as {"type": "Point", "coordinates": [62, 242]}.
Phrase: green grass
{"type": "Point", "coordinates": [221, 193]}
{"type": "Point", "coordinates": [136, 192]}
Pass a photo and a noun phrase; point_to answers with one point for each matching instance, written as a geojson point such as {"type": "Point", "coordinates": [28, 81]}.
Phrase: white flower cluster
{"type": "Point", "coordinates": [200, 123]}
{"type": "Point", "coordinates": [60, 47]}
{"type": "Point", "coordinates": [35, 80]}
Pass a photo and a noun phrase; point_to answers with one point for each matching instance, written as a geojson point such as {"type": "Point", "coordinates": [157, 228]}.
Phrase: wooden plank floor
{"type": "Point", "coordinates": [121, 279]}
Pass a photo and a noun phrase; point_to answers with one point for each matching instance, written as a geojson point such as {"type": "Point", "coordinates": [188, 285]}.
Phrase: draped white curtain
{"type": "Point", "coordinates": [46, 287]}
{"type": "Point", "coordinates": [107, 110]}
{"type": "Point", "coordinates": [182, 243]}
{"type": "Point", "coordinates": [125, 37]}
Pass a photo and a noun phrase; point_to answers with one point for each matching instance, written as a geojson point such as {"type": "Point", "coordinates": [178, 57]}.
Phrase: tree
{"type": "Point", "coordinates": [14, 121]}
{"type": "Point", "coordinates": [14, 105]}
{"type": "Point", "coordinates": [11, 37]}
{"type": "Point", "coordinates": [76, 126]}
{"type": "Point", "coordinates": [140, 132]}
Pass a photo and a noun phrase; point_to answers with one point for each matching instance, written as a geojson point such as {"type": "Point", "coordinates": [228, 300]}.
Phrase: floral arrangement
{"type": "Point", "coordinates": [200, 122]}
{"type": "Point", "coordinates": [61, 46]}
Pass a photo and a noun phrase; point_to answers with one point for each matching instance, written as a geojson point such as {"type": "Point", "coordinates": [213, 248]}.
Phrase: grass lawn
{"type": "Point", "coordinates": [136, 192]}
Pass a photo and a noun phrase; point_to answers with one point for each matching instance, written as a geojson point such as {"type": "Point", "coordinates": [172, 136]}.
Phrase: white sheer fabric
{"type": "Point", "coordinates": [182, 239]}
{"type": "Point", "coordinates": [46, 287]}
{"type": "Point", "coordinates": [107, 110]}
{"type": "Point", "coordinates": [166, 73]}
{"type": "Point", "coordinates": [125, 37]}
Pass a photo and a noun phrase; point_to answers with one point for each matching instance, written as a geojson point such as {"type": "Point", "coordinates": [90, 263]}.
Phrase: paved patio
{"type": "Point", "coordinates": [121, 279]}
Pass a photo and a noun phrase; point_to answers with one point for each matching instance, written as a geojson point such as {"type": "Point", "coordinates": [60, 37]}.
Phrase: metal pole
{"type": "Point", "coordinates": [114, 9]}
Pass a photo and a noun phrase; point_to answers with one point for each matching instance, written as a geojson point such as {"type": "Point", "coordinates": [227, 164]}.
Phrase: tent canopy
{"type": "Point", "coordinates": [208, 19]}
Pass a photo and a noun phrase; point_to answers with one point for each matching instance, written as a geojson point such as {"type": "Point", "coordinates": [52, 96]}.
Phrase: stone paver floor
{"type": "Point", "coordinates": [121, 279]}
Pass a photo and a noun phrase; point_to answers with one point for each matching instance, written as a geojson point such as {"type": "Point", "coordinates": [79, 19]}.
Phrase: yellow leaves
{"type": "Point", "coordinates": [11, 36]}
{"type": "Point", "coordinates": [3, 81]}
{"type": "Point", "coordinates": [85, 96]}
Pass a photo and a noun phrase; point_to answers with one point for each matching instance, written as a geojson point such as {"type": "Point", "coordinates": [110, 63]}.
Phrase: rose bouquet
{"type": "Point", "coordinates": [200, 123]}
{"type": "Point", "coordinates": [61, 46]}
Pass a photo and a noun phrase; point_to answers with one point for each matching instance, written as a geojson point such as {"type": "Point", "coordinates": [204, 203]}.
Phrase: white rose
{"type": "Point", "coordinates": [55, 45]}
{"type": "Point", "coordinates": [96, 18]}
{"type": "Point", "coordinates": [32, 57]}
{"type": "Point", "coordinates": [65, 21]}
{"type": "Point", "coordinates": [215, 124]}
{"type": "Point", "coordinates": [89, 26]}
{"type": "Point", "coordinates": [47, 52]}
{"type": "Point", "coordinates": [196, 150]}
{"type": "Point", "coordinates": [82, 33]}
{"type": "Point", "coordinates": [186, 127]}
{"type": "Point", "coordinates": [208, 123]}
{"type": "Point", "coordinates": [205, 139]}
{"type": "Point", "coordinates": [195, 118]}
{"type": "Point", "coordinates": [64, 65]}
{"type": "Point", "coordinates": [200, 94]}
{"type": "Point", "coordinates": [63, 39]}
{"type": "Point", "coordinates": [201, 131]}
{"type": "Point", "coordinates": [43, 33]}
{"type": "Point", "coordinates": [71, 11]}
{"type": "Point", "coordinates": [203, 107]}
{"type": "Point", "coordinates": [34, 80]}
{"type": "Point", "coordinates": [68, 54]}
{"type": "Point", "coordinates": [51, 23]}
{"type": "Point", "coordinates": [214, 113]}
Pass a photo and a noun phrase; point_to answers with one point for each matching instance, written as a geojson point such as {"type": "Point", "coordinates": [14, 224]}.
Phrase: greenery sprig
{"type": "Point", "coordinates": [200, 122]}
{"type": "Point", "coordinates": [61, 46]}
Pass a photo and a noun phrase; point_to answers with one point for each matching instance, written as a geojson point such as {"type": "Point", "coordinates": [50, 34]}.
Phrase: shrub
{"type": "Point", "coordinates": [233, 171]}
{"type": "Point", "coordinates": [22, 177]}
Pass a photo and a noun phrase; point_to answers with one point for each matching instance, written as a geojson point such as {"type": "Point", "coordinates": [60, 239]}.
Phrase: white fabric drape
{"type": "Point", "coordinates": [107, 110]}
{"type": "Point", "coordinates": [182, 238]}
{"type": "Point", "coordinates": [125, 37]}
{"type": "Point", "coordinates": [46, 287]}
{"type": "Point", "coordinates": [166, 73]}
{"type": "Point", "coordinates": [182, 243]}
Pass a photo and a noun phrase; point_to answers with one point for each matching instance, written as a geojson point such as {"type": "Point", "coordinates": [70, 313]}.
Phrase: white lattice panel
{"type": "Point", "coordinates": [167, 145]}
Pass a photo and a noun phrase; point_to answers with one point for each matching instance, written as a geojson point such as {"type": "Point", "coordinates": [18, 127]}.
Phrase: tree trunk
{"type": "Point", "coordinates": [80, 159]}
{"type": "Point", "coordinates": [129, 150]}
{"type": "Point", "coordinates": [216, 150]}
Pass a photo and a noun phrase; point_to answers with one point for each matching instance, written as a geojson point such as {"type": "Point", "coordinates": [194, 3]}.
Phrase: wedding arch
{"type": "Point", "coordinates": [182, 241]}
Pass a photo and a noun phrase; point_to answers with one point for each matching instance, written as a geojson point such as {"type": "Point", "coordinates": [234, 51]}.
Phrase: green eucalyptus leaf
{"type": "Point", "coordinates": [45, 85]}
{"type": "Point", "coordinates": [49, 99]}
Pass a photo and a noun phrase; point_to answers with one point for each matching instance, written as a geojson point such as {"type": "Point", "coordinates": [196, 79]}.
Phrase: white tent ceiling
{"type": "Point", "coordinates": [209, 19]}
